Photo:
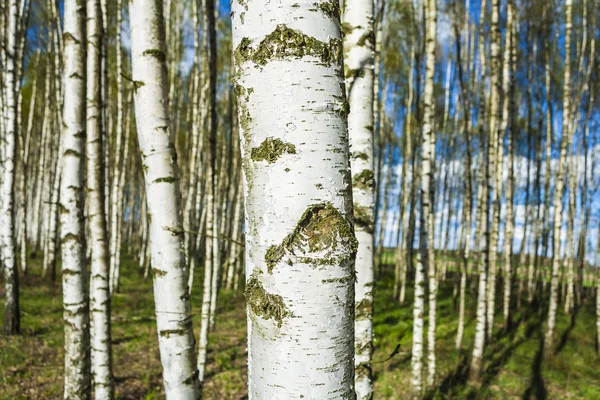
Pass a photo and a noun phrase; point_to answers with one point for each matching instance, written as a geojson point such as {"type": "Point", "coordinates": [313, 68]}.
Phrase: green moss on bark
{"type": "Point", "coordinates": [322, 236]}
{"type": "Point", "coordinates": [364, 180]}
{"type": "Point", "coordinates": [271, 149]}
{"type": "Point", "coordinates": [330, 8]}
{"type": "Point", "coordinates": [360, 155]}
{"type": "Point", "coordinates": [368, 36]}
{"type": "Point", "coordinates": [264, 304]}
{"type": "Point", "coordinates": [363, 310]}
{"type": "Point", "coordinates": [284, 43]}
{"type": "Point", "coordinates": [363, 218]}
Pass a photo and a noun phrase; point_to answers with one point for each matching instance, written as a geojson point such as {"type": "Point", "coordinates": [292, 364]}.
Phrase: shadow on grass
{"type": "Point", "coordinates": [537, 388]}
{"type": "Point", "coordinates": [565, 335]}
{"type": "Point", "coordinates": [455, 379]}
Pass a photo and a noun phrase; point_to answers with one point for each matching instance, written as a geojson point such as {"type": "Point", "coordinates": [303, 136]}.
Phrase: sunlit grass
{"type": "Point", "coordinates": [31, 365]}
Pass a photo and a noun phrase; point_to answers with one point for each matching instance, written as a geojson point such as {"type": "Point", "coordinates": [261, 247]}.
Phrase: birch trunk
{"type": "Point", "coordinates": [495, 165]}
{"type": "Point", "coordinates": [74, 274]}
{"type": "Point", "coordinates": [234, 252]}
{"type": "Point", "coordinates": [188, 215]}
{"type": "Point", "coordinates": [212, 204]}
{"type": "Point", "coordinates": [358, 66]}
{"type": "Point", "coordinates": [428, 182]}
{"type": "Point", "coordinates": [570, 243]}
{"type": "Point", "coordinates": [482, 219]}
{"type": "Point", "coordinates": [467, 225]}
{"type": "Point", "coordinates": [508, 109]}
{"type": "Point", "coordinates": [119, 164]}
{"type": "Point", "coordinates": [401, 251]}
{"type": "Point", "coordinates": [99, 285]}
{"type": "Point", "coordinates": [12, 314]}
{"type": "Point", "coordinates": [300, 244]}
{"type": "Point", "coordinates": [560, 178]}
{"type": "Point", "coordinates": [23, 189]}
{"type": "Point", "coordinates": [173, 308]}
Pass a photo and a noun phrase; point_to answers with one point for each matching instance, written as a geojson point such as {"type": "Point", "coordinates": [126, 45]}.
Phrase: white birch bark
{"type": "Point", "coordinates": [7, 220]}
{"type": "Point", "coordinates": [482, 221]}
{"type": "Point", "coordinates": [212, 229]}
{"type": "Point", "coordinates": [358, 65]}
{"type": "Point", "coordinates": [495, 160]}
{"type": "Point", "coordinates": [560, 180]}
{"type": "Point", "coordinates": [300, 245]}
{"type": "Point", "coordinates": [401, 251]}
{"type": "Point", "coordinates": [119, 164]}
{"type": "Point", "coordinates": [23, 189]}
{"type": "Point", "coordinates": [507, 110]}
{"type": "Point", "coordinates": [99, 284]}
{"type": "Point", "coordinates": [208, 278]}
{"type": "Point", "coordinates": [234, 252]}
{"type": "Point", "coordinates": [173, 308]}
{"type": "Point", "coordinates": [570, 243]}
{"type": "Point", "coordinates": [74, 275]}
{"type": "Point", "coordinates": [428, 182]}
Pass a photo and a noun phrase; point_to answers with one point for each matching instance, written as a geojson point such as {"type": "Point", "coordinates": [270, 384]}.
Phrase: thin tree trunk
{"type": "Point", "coordinates": [482, 217]}
{"type": "Point", "coordinates": [401, 251]}
{"type": "Point", "coordinates": [119, 164]}
{"type": "Point", "coordinates": [358, 18]}
{"type": "Point", "coordinates": [507, 122]}
{"type": "Point", "coordinates": [99, 285]}
{"type": "Point", "coordinates": [496, 159]}
{"type": "Point", "coordinates": [560, 178]}
{"type": "Point", "coordinates": [428, 182]}
{"type": "Point", "coordinates": [173, 308]}
{"type": "Point", "coordinates": [74, 273]}
{"type": "Point", "coordinates": [12, 314]}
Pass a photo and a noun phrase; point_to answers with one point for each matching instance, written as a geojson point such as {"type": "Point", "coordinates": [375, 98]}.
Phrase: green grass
{"type": "Point", "coordinates": [31, 365]}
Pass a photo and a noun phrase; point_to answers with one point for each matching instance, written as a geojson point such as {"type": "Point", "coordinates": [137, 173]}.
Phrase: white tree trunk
{"type": "Point", "coordinates": [173, 308]}
{"type": "Point", "coordinates": [234, 252]}
{"type": "Point", "coordinates": [507, 110]}
{"type": "Point", "coordinates": [119, 164]}
{"type": "Point", "coordinates": [358, 65]}
{"type": "Point", "coordinates": [570, 243]}
{"type": "Point", "coordinates": [99, 284]}
{"type": "Point", "coordinates": [401, 251]}
{"type": "Point", "coordinates": [495, 160]}
{"type": "Point", "coordinates": [428, 182]}
{"type": "Point", "coordinates": [74, 275]}
{"type": "Point", "coordinates": [208, 278]}
{"type": "Point", "coordinates": [481, 223]}
{"type": "Point", "coordinates": [7, 221]}
{"type": "Point", "coordinates": [300, 244]}
{"type": "Point", "coordinates": [560, 181]}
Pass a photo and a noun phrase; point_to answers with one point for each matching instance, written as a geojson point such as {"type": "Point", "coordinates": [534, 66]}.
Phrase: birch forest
{"type": "Point", "coordinates": [299, 199]}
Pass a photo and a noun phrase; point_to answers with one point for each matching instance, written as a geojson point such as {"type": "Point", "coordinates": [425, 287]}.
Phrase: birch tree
{"type": "Point", "coordinates": [428, 182]}
{"type": "Point", "coordinates": [495, 160]}
{"type": "Point", "coordinates": [482, 219]}
{"type": "Point", "coordinates": [12, 313]}
{"type": "Point", "coordinates": [300, 243]}
{"type": "Point", "coordinates": [171, 298]}
{"type": "Point", "coordinates": [424, 257]}
{"type": "Point", "coordinates": [117, 182]}
{"type": "Point", "coordinates": [99, 285]}
{"type": "Point", "coordinates": [359, 47]}
{"type": "Point", "coordinates": [74, 274]}
{"type": "Point", "coordinates": [507, 110]}
{"type": "Point", "coordinates": [565, 144]}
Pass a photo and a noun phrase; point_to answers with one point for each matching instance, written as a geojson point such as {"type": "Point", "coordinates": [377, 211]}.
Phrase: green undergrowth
{"type": "Point", "coordinates": [31, 365]}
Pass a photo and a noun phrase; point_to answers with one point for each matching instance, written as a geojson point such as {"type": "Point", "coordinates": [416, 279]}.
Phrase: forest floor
{"type": "Point", "coordinates": [31, 365]}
